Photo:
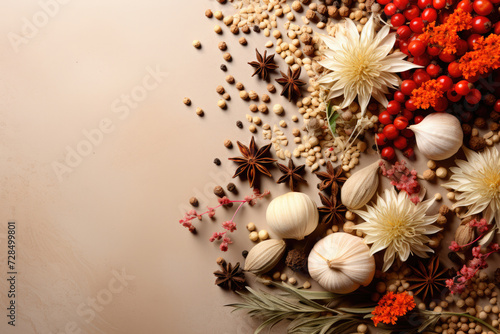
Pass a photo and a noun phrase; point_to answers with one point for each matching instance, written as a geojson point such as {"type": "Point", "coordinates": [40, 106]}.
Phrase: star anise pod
{"type": "Point", "coordinates": [429, 279]}
{"type": "Point", "coordinates": [263, 65]}
{"type": "Point", "coordinates": [332, 211]}
{"type": "Point", "coordinates": [253, 161]}
{"type": "Point", "coordinates": [331, 178]}
{"type": "Point", "coordinates": [230, 277]}
{"type": "Point", "coordinates": [291, 84]}
{"type": "Point", "coordinates": [291, 174]}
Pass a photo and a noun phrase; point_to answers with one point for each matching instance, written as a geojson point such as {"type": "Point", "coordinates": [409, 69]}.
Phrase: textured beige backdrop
{"type": "Point", "coordinates": [99, 246]}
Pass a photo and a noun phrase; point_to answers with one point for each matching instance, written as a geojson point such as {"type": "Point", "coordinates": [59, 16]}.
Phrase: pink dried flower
{"type": "Point", "coordinates": [225, 244]}
{"type": "Point", "coordinates": [229, 225]}
{"type": "Point", "coordinates": [217, 236]}
{"type": "Point", "coordinates": [454, 246]}
{"type": "Point", "coordinates": [403, 179]}
{"type": "Point", "coordinates": [482, 225]}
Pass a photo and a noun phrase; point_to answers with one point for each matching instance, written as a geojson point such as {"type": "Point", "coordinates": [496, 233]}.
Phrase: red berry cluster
{"type": "Point", "coordinates": [410, 19]}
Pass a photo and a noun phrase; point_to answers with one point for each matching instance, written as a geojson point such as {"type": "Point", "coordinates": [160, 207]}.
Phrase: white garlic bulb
{"type": "Point", "coordinates": [439, 136]}
{"type": "Point", "coordinates": [264, 256]}
{"type": "Point", "coordinates": [341, 263]}
{"type": "Point", "coordinates": [292, 216]}
{"type": "Point", "coordinates": [360, 187]}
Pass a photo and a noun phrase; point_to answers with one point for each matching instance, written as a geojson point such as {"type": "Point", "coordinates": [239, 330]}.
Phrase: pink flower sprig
{"type": "Point", "coordinates": [403, 179]}
{"type": "Point", "coordinates": [458, 283]}
{"type": "Point", "coordinates": [229, 225]}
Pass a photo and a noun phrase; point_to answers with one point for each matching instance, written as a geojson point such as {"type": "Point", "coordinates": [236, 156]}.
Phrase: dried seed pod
{"type": "Point", "coordinates": [264, 256]}
{"type": "Point", "coordinates": [360, 187]}
{"type": "Point", "coordinates": [465, 234]}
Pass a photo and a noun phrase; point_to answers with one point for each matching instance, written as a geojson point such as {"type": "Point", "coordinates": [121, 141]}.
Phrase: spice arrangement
{"type": "Point", "coordinates": [371, 87]}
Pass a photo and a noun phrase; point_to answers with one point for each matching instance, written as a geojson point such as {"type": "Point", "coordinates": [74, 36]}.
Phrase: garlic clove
{"type": "Point", "coordinates": [341, 263]}
{"type": "Point", "coordinates": [360, 187]}
{"type": "Point", "coordinates": [264, 256]}
{"type": "Point", "coordinates": [292, 216]}
{"type": "Point", "coordinates": [439, 136]}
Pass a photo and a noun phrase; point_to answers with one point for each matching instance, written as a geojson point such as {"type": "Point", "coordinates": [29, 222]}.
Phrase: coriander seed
{"type": "Point", "coordinates": [263, 235]}
{"type": "Point", "coordinates": [243, 41]}
{"type": "Point", "coordinates": [220, 90]}
{"type": "Point", "coordinates": [226, 96]}
{"type": "Point", "coordinates": [221, 104]}
{"type": "Point", "coordinates": [197, 44]}
{"type": "Point", "coordinates": [230, 79]}
{"type": "Point", "coordinates": [218, 29]}
{"type": "Point", "coordinates": [187, 101]}
{"type": "Point", "coordinates": [253, 95]}
{"type": "Point", "coordinates": [441, 172]}
{"type": "Point", "coordinates": [278, 109]}
{"type": "Point", "coordinates": [222, 46]}
{"type": "Point", "coordinates": [253, 108]}
{"type": "Point", "coordinates": [263, 108]}
{"type": "Point", "coordinates": [239, 86]}
{"type": "Point", "coordinates": [199, 111]}
{"type": "Point", "coordinates": [265, 98]}
{"type": "Point", "coordinates": [218, 15]}
{"type": "Point", "coordinates": [193, 201]}
{"type": "Point", "coordinates": [228, 143]}
{"type": "Point", "coordinates": [227, 56]}
{"type": "Point", "coordinates": [271, 88]}
{"type": "Point", "coordinates": [254, 236]}
{"type": "Point", "coordinates": [234, 29]}
{"type": "Point", "coordinates": [208, 13]}
{"type": "Point", "coordinates": [251, 227]}
{"type": "Point", "coordinates": [244, 95]}
{"type": "Point", "coordinates": [252, 128]}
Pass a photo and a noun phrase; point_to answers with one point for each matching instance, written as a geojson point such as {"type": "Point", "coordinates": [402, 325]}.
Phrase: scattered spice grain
{"type": "Point", "coordinates": [222, 46]}
{"type": "Point", "coordinates": [231, 187]}
{"type": "Point", "coordinates": [193, 201]}
{"type": "Point", "coordinates": [227, 56]}
{"type": "Point", "coordinates": [218, 29]}
{"type": "Point", "coordinates": [217, 161]}
{"type": "Point", "coordinates": [228, 143]}
{"type": "Point", "coordinates": [223, 67]}
{"type": "Point", "coordinates": [197, 44]}
{"type": "Point", "coordinates": [220, 90]}
{"type": "Point", "coordinates": [219, 192]}
{"type": "Point", "coordinates": [199, 111]}
{"type": "Point", "coordinates": [209, 14]}
{"type": "Point", "coordinates": [187, 101]}
{"type": "Point", "coordinates": [222, 104]}
{"type": "Point", "coordinates": [239, 86]}
{"type": "Point", "coordinates": [243, 41]}
{"type": "Point", "coordinates": [271, 88]}
{"type": "Point", "coordinates": [239, 124]}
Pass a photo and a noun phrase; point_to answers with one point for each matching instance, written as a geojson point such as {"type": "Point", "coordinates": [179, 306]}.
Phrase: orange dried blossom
{"type": "Point", "coordinates": [485, 57]}
{"type": "Point", "coordinates": [427, 95]}
{"type": "Point", "coordinates": [445, 35]}
{"type": "Point", "coordinates": [391, 306]}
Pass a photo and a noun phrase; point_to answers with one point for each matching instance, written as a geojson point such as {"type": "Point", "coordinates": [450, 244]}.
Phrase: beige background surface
{"type": "Point", "coordinates": [114, 211]}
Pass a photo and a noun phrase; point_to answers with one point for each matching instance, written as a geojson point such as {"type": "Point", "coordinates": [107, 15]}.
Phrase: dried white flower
{"type": "Point", "coordinates": [397, 225]}
{"type": "Point", "coordinates": [478, 182]}
{"type": "Point", "coordinates": [361, 65]}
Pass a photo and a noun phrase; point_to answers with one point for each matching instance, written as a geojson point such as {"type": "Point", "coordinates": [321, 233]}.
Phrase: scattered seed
{"type": "Point", "coordinates": [227, 56]}
{"type": "Point", "coordinates": [231, 187]}
{"type": "Point", "coordinates": [217, 161]}
{"type": "Point", "coordinates": [278, 109]}
{"type": "Point", "coordinates": [263, 235]}
{"type": "Point", "coordinates": [242, 41]}
{"type": "Point", "coordinates": [193, 201]}
{"type": "Point", "coordinates": [220, 90]}
{"type": "Point", "coordinates": [197, 44]}
{"type": "Point", "coordinates": [252, 128]}
{"type": "Point", "coordinates": [221, 104]}
{"type": "Point", "coordinates": [187, 101]}
{"type": "Point", "coordinates": [218, 29]}
{"type": "Point", "coordinates": [223, 67]}
{"type": "Point", "coordinates": [239, 86]}
{"type": "Point", "coordinates": [230, 79]}
{"type": "Point", "coordinates": [441, 172]}
{"type": "Point", "coordinates": [306, 285]}
{"type": "Point", "coordinates": [228, 143]}
{"type": "Point", "coordinates": [199, 111]}
{"type": "Point", "coordinates": [239, 124]}
{"type": "Point", "coordinates": [271, 88]}
{"type": "Point", "coordinates": [208, 13]}
{"type": "Point", "coordinates": [254, 236]}
{"type": "Point", "coordinates": [219, 192]}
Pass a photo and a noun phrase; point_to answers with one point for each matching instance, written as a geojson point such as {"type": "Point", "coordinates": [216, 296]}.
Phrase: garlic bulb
{"type": "Point", "coordinates": [292, 216]}
{"type": "Point", "coordinates": [264, 256]}
{"type": "Point", "coordinates": [341, 263]}
{"type": "Point", "coordinates": [439, 136]}
{"type": "Point", "coordinates": [360, 187]}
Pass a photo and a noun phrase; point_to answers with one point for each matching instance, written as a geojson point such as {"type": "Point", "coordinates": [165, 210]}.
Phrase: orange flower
{"type": "Point", "coordinates": [445, 35]}
{"type": "Point", "coordinates": [391, 306]}
{"type": "Point", "coordinates": [428, 94]}
{"type": "Point", "coordinates": [485, 57]}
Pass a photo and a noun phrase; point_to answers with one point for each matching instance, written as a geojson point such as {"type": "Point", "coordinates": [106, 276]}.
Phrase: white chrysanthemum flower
{"type": "Point", "coordinates": [397, 225]}
{"type": "Point", "coordinates": [361, 65]}
{"type": "Point", "coordinates": [478, 182]}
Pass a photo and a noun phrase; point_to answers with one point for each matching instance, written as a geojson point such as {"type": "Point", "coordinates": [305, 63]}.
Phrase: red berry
{"type": "Point", "coordinates": [496, 28]}
{"type": "Point", "coordinates": [433, 50]}
{"type": "Point", "coordinates": [482, 7]}
{"type": "Point", "coordinates": [404, 32]}
{"type": "Point", "coordinates": [401, 4]}
{"type": "Point", "coordinates": [390, 131]}
{"type": "Point", "coordinates": [390, 9]}
{"type": "Point", "coordinates": [400, 143]}
{"type": "Point", "coordinates": [388, 153]}
{"type": "Point", "coordinates": [462, 87]}
{"type": "Point", "coordinates": [407, 114]}
{"type": "Point", "coordinates": [399, 96]}
{"type": "Point", "coordinates": [401, 123]}
{"type": "Point", "coordinates": [380, 139]}
{"type": "Point", "coordinates": [422, 60]}
{"type": "Point", "coordinates": [412, 12]}
{"type": "Point", "coordinates": [462, 47]}
{"type": "Point", "coordinates": [446, 82]}
{"type": "Point", "coordinates": [416, 47]}
{"type": "Point", "coordinates": [384, 118]}
{"type": "Point", "coordinates": [454, 70]}
{"type": "Point", "coordinates": [410, 105]}
{"type": "Point", "coordinates": [418, 119]}
{"type": "Point", "coordinates": [408, 133]}
{"type": "Point", "coordinates": [472, 39]}
{"type": "Point", "coordinates": [439, 4]}
{"type": "Point", "coordinates": [453, 96]}
{"type": "Point", "coordinates": [393, 107]}
{"type": "Point", "coordinates": [480, 24]}
{"type": "Point", "coordinates": [473, 97]}
{"type": "Point", "coordinates": [417, 25]}
{"type": "Point", "coordinates": [429, 15]}
{"type": "Point", "coordinates": [497, 106]}
{"type": "Point", "coordinates": [383, 2]}
{"type": "Point", "coordinates": [403, 46]}
{"type": "Point", "coordinates": [420, 76]}
{"type": "Point", "coordinates": [422, 4]}
{"type": "Point", "coordinates": [407, 86]}
{"type": "Point", "coordinates": [465, 5]}
{"type": "Point", "coordinates": [433, 70]}
{"type": "Point", "coordinates": [398, 20]}
{"type": "Point", "coordinates": [447, 57]}
{"type": "Point", "coordinates": [441, 104]}
{"type": "Point", "coordinates": [409, 153]}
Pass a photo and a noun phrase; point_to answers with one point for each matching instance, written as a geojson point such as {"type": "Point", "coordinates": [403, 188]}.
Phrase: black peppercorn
{"type": "Point", "coordinates": [223, 67]}
{"type": "Point", "coordinates": [217, 161]}
{"type": "Point", "coordinates": [219, 192]}
{"type": "Point", "coordinates": [239, 124]}
{"type": "Point", "coordinates": [231, 187]}
{"type": "Point", "coordinates": [244, 253]}
{"type": "Point", "coordinates": [256, 28]}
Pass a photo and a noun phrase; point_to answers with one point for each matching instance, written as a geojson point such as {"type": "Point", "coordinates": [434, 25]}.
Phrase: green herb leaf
{"type": "Point", "coordinates": [331, 116]}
